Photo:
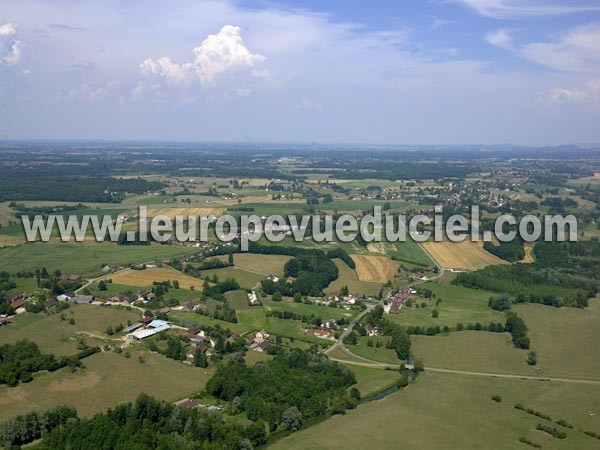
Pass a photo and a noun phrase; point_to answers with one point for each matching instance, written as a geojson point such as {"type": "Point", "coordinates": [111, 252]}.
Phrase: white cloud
{"type": "Point", "coordinates": [499, 38]}
{"type": "Point", "coordinates": [91, 92]}
{"type": "Point", "coordinates": [588, 95]}
{"type": "Point", "coordinates": [216, 55]}
{"type": "Point", "coordinates": [576, 51]}
{"type": "Point", "coordinates": [11, 49]}
{"type": "Point", "coordinates": [8, 29]}
{"type": "Point", "coordinates": [513, 8]}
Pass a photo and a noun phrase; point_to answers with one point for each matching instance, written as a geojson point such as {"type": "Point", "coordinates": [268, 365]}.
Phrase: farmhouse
{"type": "Point", "coordinates": [371, 331]}
{"type": "Point", "coordinates": [17, 304]}
{"type": "Point", "coordinates": [253, 299]}
{"type": "Point", "coordinates": [152, 328]}
{"type": "Point", "coordinates": [10, 298]}
{"type": "Point", "coordinates": [260, 346]}
{"type": "Point", "coordinates": [324, 334]}
{"type": "Point", "coordinates": [82, 299]}
{"type": "Point", "coordinates": [261, 335]}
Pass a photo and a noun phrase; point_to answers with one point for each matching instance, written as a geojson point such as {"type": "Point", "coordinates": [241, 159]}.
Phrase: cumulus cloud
{"type": "Point", "coordinates": [11, 49]}
{"type": "Point", "coordinates": [576, 51]}
{"type": "Point", "coordinates": [588, 95]}
{"type": "Point", "coordinates": [91, 92]}
{"type": "Point", "coordinates": [218, 54]}
{"type": "Point", "coordinates": [514, 8]}
{"type": "Point", "coordinates": [499, 38]}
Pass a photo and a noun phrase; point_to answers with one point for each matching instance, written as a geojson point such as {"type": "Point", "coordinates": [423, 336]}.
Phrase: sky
{"type": "Point", "coordinates": [343, 71]}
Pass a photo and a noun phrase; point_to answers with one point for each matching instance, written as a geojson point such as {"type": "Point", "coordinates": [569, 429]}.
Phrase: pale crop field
{"type": "Point", "coordinates": [144, 278]}
{"type": "Point", "coordinates": [464, 255]}
{"type": "Point", "coordinates": [374, 268]}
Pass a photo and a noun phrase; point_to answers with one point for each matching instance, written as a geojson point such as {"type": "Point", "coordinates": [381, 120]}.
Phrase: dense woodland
{"type": "Point", "coordinates": [563, 274]}
{"type": "Point", "coordinates": [307, 381]}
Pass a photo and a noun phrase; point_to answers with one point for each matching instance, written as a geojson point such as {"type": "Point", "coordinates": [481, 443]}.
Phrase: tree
{"type": "Point", "coordinates": [230, 258]}
{"type": "Point", "coordinates": [292, 418]}
{"type": "Point", "coordinates": [435, 314]}
{"type": "Point", "coordinates": [297, 297]}
{"type": "Point", "coordinates": [102, 285]}
{"type": "Point", "coordinates": [110, 331]}
{"type": "Point", "coordinates": [532, 358]}
{"type": "Point", "coordinates": [277, 296]}
{"type": "Point", "coordinates": [200, 359]}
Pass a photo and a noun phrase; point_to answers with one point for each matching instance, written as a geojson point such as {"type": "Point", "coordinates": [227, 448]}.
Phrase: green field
{"type": "Point", "coordinates": [370, 381]}
{"type": "Point", "coordinates": [380, 354]}
{"type": "Point", "coordinates": [459, 304]}
{"type": "Point", "coordinates": [324, 312]}
{"type": "Point", "coordinates": [107, 380]}
{"type": "Point", "coordinates": [246, 279]}
{"type": "Point", "coordinates": [84, 258]}
{"type": "Point", "coordinates": [446, 411]}
{"type": "Point", "coordinates": [238, 300]}
{"type": "Point", "coordinates": [57, 336]}
{"type": "Point", "coordinates": [476, 351]}
{"type": "Point", "coordinates": [566, 340]}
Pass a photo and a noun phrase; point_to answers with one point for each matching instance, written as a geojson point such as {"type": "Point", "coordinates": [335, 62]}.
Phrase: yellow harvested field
{"type": "Point", "coordinates": [528, 258]}
{"type": "Point", "coordinates": [374, 268]}
{"type": "Point", "coordinates": [144, 278]}
{"type": "Point", "coordinates": [190, 211]}
{"type": "Point", "coordinates": [464, 255]}
{"type": "Point", "coordinates": [11, 241]}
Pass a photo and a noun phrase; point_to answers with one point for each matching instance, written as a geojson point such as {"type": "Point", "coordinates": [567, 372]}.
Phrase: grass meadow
{"type": "Point", "coordinates": [457, 412]}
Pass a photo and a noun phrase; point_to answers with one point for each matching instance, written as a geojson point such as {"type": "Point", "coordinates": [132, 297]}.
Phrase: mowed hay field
{"type": "Point", "coordinates": [475, 351]}
{"type": "Point", "coordinates": [374, 268]}
{"type": "Point", "coordinates": [267, 264]}
{"type": "Point", "coordinates": [457, 412]}
{"type": "Point", "coordinates": [565, 339]}
{"type": "Point", "coordinates": [185, 212]}
{"type": "Point", "coordinates": [56, 336]}
{"type": "Point", "coordinates": [464, 255]}
{"type": "Point", "coordinates": [144, 278]}
{"type": "Point", "coordinates": [107, 380]}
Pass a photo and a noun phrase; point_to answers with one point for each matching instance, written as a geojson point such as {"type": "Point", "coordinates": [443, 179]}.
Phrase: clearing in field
{"type": "Point", "coordinates": [144, 278]}
{"type": "Point", "coordinates": [565, 339]}
{"type": "Point", "coordinates": [458, 413]}
{"type": "Point", "coordinates": [475, 351]}
{"type": "Point", "coordinates": [107, 380]}
{"type": "Point", "coordinates": [190, 211]}
{"type": "Point", "coordinates": [465, 255]}
{"type": "Point", "coordinates": [374, 268]}
{"type": "Point", "coordinates": [266, 264]}
{"type": "Point", "coordinates": [57, 336]}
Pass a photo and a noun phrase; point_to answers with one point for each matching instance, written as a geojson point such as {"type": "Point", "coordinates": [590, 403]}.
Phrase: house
{"type": "Point", "coordinates": [82, 299]}
{"type": "Point", "coordinates": [429, 268]}
{"type": "Point", "coordinates": [50, 304]}
{"type": "Point", "coordinates": [189, 306]}
{"type": "Point", "coordinates": [190, 403]}
{"type": "Point", "coordinates": [273, 278]}
{"type": "Point", "coordinates": [18, 304]}
{"type": "Point", "coordinates": [14, 297]}
{"type": "Point", "coordinates": [146, 320]}
{"type": "Point", "coordinates": [419, 275]}
{"type": "Point", "coordinates": [63, 298]}
{"type": "Point", "coordinates": [261, 335]}
{"type": "Point", "coordinates": [253, 299]}
{"type": "Point", "coordinates": [324, 334]}
{"type": "Point", "coordinates": [165, 310]}
{"type": "Point", "coordinates": [371, 331]}
{"type": "Point", "coordinates": [260, 346]}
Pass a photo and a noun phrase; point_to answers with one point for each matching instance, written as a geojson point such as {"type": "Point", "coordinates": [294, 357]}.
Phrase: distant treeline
{"type": "Point", "coordinates": [563, 274]}
{"type": "Point", "coordinates": [20, 185]}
